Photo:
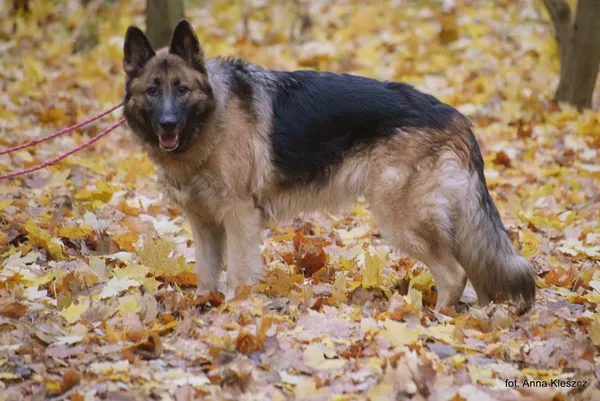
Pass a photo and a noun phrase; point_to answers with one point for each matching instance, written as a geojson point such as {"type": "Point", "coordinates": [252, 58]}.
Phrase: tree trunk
{"type": "Point", "coordinates": [579, 48]}
{"type": "Point", "coordinates": [161, 18]}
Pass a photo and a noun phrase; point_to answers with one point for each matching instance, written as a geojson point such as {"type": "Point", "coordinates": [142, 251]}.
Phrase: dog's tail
{"type": "Point", "coordinates": [482, 245]}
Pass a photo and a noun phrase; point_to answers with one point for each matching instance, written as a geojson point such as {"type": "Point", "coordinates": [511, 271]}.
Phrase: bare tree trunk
{"type": "Point", "coordinates": [579, 48]}
{"type": "Point", "coordinates": [161, 18]}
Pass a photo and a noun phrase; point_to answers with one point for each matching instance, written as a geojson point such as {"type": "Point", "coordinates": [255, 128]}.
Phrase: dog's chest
{"type": "Point", "coordinates": [197, 193]}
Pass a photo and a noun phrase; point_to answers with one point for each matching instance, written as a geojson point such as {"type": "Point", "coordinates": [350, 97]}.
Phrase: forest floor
{"type": "Point", "coordinates": [97, 285]}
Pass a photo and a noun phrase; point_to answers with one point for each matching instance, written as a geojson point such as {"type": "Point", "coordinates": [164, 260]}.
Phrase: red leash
{"type": "Point", "coordinates": [61, 132]}
{"type": "Point", "coordinates": [72, 128]}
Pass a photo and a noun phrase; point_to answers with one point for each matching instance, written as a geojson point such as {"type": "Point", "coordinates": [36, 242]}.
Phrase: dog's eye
{"type": "Point", "coordinates": [183, 90]}
{"type": "Point", "coordinates": [152, 91]}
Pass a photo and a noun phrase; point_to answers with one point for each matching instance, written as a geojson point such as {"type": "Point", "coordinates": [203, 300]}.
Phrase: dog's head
{"type": "Point", "coordinates": [168, 97]}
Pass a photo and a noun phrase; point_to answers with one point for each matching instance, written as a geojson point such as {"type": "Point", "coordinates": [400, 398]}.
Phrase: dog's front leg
{"type": "Point", "coordinates": [209, 241]}
{"type": "Point", "coordinates": [244, 261]}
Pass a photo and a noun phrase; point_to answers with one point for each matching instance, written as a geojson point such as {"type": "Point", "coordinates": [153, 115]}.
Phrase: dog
{"type": "Point", "coordinates": [237, 146]}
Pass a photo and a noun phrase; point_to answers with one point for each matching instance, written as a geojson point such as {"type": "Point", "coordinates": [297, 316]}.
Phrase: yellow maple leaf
{"type": "Point", "coordinates": [415, 298]}
{"type": "Point", "coordinates": [372, 271]}
{"type": "Point", "coordinates": [151, 284]}
{"type": "Point", "coordinates": [399, 334]}
{"type": "Point", "coordinates": [78, 232]}
{"type": "Point", "coordinates": [137, 166]}
{"type": "Point", "coordinates": [128, 305]}
{"type": "Point", "coordinates": [102, 193]}
{"type": "Point", "coordinates": [423, 282]}
{"type": "Point", "coordinates": [53, 387]}
{"type": "Point", "coordinates": [4, 204]}
{"type": "Point", "coordinates": [530, 243]}
{"type": "Point", "coordinates": [73, 312]}
{"type": "Point", "coordinates": [41, 238]}
{"type": "Point", "coordinates": [127, 240]}
{"type": "Point", "coordinates": [155, 255]}
{"type": "Point", "coordinates": [33, 70]}
{"type": "Point", "coordinates": [132, 271]}
{"type": "Point", "coordinates": [338, 295]}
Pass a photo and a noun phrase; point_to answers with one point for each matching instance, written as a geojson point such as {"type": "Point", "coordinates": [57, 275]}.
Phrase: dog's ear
{"type": "Point", "coordinates": [137, 51]}
{"type": "Point", "coordinates": [184, 43]}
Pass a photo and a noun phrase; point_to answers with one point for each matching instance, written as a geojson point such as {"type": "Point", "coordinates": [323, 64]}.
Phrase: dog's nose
{"type": "Point", "coordinates": [168, 123]}
{"type": "Point", "coordinates": [168, 127]}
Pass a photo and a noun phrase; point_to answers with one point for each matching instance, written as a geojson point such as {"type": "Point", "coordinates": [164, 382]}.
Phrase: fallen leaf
{"type": "Point", "coordinates": [73, 313]}
{"type": "Point", "coordinates": [78, 232]}
{"type": "Point", "coordinates": [502, 159]}
{"type": "Point", "coordinates": [155, 255]}
{"type": "Point", "coordinates": [398, 334]}
{"type": "Point", "coordinates": [41, 238]}
{"type": "Point", "coordinates": [149, 348]}
{"type": "Point", "coordinates": [309, 255]}
{"type": "Point", "coordinates": [595, 330]}
{"type": "Point", "coordinates": [116, 285]}
{"type": "Point", "coordinates": [13, 310]}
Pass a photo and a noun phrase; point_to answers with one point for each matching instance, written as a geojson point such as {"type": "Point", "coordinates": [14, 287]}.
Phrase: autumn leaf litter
{"type": "Point", "coordinates": [97, 280]}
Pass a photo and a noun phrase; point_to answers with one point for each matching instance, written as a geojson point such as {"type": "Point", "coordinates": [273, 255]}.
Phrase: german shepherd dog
{"type": "Point", "coordinates": [237, 145]}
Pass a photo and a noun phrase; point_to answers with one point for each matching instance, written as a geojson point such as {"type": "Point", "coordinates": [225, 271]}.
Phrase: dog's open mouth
{"type": "Point", "coordinates": [168, 142]}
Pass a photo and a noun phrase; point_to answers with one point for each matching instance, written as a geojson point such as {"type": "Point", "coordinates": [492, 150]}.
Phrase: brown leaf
{"type": "Point", "coordinates": [212, 299]}
{"type": "Point", "coordinates": [404, 264]}
{"type": "Point", "coordinates": [309, 254]}
{"type": "Point", "coordinates": [399, 308]}
{"type": "Point", "coordinates": [70, 379]}
{"type": "Point", "coordinates": [280, 283]}
{"type": "Point", "coordinates": [126, 353]}
{"type": "Point", "coordinates": [318, 305]}
{"type": "Point", "coordinates": [136, 335]}
{"type": "Point", "coordinates": [524, 130]}
{"type": "Point", "coordinates": [265, 324]}
{"type": "Point", "coordinates": [324, 275]}
{"type": "Point", "coordinates": [128, 210]}
{"type": "Point", "coordinates": [14, 310]}
{"type": "Point", "coordinates": [502, 159]}
{"type": "Point", "coordinates": [449, 32]}
{"type": "Point", "coordinates": [355, 351]}
{"type": "Point", "coordinates": [560, 277]}
{"type": "Point", "coordinates": [288, 257]}
{"type": "Point", "coordinates": [149, 348]}
{"type": "Point", "coordinates": [247, 343]}
{"type": "Point", "coordinates": [184, 279]}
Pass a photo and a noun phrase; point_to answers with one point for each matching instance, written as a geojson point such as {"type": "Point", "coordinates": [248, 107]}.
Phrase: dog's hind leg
{"type": "Point", "coordinates": [430, 247]}
{"type": "Point", "coordinates": [414, 207]}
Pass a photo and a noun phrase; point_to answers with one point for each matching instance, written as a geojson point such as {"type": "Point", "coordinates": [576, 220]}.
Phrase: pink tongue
{"type": "Point", "coordinates": [169, 142]}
